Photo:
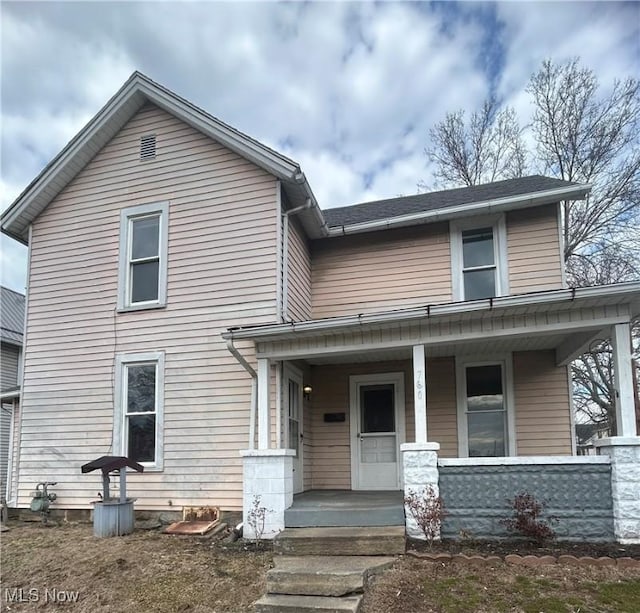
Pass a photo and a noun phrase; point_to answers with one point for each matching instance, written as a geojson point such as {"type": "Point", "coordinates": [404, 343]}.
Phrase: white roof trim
{"type": "Point", "coordinates": [463, 210]}
{"type": "Point", "coordinates": [610, 293]}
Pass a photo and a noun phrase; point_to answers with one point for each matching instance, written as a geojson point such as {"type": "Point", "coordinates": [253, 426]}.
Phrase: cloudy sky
{"type": "Point", "coordinates": [349, 90]}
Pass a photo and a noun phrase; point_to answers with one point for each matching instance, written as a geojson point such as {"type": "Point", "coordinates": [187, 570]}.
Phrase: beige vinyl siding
{"type": "Point", "coordinates": [9, 364]}
{"type": "Point", "coordinates": [221, 272]}
{"type": "Point", "coordinates": [298, 273]}
{"type": "Point", "coordinates": [442, 419]}
{"type": "Point", "coordinates": [376, 271]}
{"type": "Point", "coordinates": [533, 249]}
{"type": "Point", "coordinates": [543, 411]}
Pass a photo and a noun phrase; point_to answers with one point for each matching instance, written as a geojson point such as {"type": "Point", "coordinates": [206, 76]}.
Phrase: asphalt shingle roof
{"type": "Point", "coordinates": [405, 205]}
{"type": "Point", "coordinates": [11, 315]}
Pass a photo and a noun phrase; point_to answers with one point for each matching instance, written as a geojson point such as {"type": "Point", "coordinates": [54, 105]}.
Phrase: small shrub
{"type": "Point", "coordinates": [427, 509]}
{"type": "Point", "coordinates": [526, 520]}
{"type": "Point", "coordinates": [256, 518]}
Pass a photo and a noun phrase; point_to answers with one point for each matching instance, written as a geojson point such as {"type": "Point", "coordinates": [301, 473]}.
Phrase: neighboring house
{"type": "Point", "coordinates": [11, 332]}
{"type": "Point", "coordinates": [587, 435]}
{"type": "Point", "coordinates": [191, 306]}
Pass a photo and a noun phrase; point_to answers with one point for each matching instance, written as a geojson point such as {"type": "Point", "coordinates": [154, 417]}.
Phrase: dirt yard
{"type": "Point", "coordinates": [151, 572]}
{"type": "Point", "coordinates": [144, 572]}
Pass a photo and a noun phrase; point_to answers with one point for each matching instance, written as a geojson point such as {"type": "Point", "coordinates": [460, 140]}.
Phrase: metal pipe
{"type": "Point", "coordinates": [303, 207]}
{"type": "Point", "coordinates": [254, 390]}
{"type": "Point", "coordinates": [123, 484]}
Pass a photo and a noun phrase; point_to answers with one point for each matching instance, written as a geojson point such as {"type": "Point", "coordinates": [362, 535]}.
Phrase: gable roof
{"type": "Point", "coordinates": [136, 92]}
{"type": "Point", "coordinates": [445, 204]}
{"type": "Point", "coordinates": [11, 316]}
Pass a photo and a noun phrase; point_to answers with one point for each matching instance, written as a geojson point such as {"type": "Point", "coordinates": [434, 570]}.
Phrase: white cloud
{"type": "Point", "coordinates": [347, 89]}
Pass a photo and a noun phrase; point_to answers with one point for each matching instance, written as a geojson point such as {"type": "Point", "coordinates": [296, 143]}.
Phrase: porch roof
{"type": "Point", "coordinates": [567, 320]}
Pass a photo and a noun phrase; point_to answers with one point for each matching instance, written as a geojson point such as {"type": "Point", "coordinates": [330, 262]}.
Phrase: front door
{"type": "Point", "coordinates": [377, 430]}
{"type": "Point", "coordinates": [293, 415]}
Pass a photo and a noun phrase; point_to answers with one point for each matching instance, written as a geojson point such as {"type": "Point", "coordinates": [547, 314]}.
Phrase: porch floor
{"type": "Point", "coordinates": [324, 508]}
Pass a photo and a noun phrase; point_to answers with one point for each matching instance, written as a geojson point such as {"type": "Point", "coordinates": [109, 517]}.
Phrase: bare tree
{"type": "Point", "coordinates": [581, 134]}
{"type": "Point", "coordinates": [488, 149]}
{"type": "Point", "coordinates": [588, 138]}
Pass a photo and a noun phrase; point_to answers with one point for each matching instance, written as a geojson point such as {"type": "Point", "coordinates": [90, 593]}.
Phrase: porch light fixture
{"type": "Point", "coordinates": [306, 390]}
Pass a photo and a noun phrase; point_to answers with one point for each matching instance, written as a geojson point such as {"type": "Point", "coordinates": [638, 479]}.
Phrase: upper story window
{"type": "Point", "coordinates": [143, 256]}
{"type": "Point", "coordinates": [478, 264]}
{"type": "Point", "coordinates": [478, 259]}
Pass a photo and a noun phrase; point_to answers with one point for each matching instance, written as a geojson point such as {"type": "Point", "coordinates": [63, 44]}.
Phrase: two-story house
{"type": "Point", "coordinates": [190, 306]}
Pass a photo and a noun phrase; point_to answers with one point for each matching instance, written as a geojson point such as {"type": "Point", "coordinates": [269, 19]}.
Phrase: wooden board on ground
{"type": "Point", "coordinates": [191, 527]}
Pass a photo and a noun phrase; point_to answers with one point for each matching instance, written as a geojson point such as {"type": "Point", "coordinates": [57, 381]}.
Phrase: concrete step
{"type": "Point", "coordinates": [389, 515]}
{"type": "Point", "coordinates": [357, 541]}
{"type": "Point", "coordinates": [323, 575]}
{"type": "Point", "coordinates": [280, 603]}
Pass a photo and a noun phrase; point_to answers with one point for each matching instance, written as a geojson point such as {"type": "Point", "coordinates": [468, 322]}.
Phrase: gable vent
{"type": "Point", "coordinates": [148, 147]}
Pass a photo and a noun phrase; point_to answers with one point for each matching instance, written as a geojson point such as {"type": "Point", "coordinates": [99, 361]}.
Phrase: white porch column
{"type": "Point", "coordinates": [420, 393]}
{"type": "Point", "coordinates": [264, 414]}
{"type": "Point", "coordinates": [623, 380]}
{"type": "Point", "coordinates": [420, 469]}
{"type": "Point", "coordinates": [267, 491]}
{"type": "Point", "coordinates": [624, 452]}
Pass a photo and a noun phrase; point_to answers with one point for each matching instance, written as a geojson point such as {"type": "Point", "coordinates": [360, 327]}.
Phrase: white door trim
{"type": "Point", "coordinates": [290, 372]}
{"type": "Point", "coordinates": [355, 381]}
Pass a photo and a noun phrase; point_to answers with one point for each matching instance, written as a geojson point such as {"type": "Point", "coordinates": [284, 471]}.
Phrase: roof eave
{"type": "Point", "coordinates": [573, 192]}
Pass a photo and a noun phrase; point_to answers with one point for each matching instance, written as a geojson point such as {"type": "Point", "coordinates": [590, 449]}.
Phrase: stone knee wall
{"type": "Point", "coordinates": [579, 494]}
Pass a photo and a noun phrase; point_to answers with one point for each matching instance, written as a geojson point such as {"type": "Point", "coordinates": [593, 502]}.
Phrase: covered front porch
{"type": "Point", "coordinates": [375, 403]}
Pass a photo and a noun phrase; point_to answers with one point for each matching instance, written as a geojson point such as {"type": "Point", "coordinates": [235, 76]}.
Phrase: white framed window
{"type": "Point", "coordinates": [142, 279]}
{"type": "Point", "coordinates": [139, 408]}
{"type": "Point", "coordinates": [479, 258]}
{"type": "Point", "coordinates": [486, 411]}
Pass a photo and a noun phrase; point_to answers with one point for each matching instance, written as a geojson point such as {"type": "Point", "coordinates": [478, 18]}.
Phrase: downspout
{"type": "Point", "coordinates": [254, 391]}
{"type": "Point", "coordinates": [279, 255]}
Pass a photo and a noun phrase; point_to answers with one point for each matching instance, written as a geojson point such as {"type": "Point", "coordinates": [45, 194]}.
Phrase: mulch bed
{"type": "Point", "coordinates": [471, 547]}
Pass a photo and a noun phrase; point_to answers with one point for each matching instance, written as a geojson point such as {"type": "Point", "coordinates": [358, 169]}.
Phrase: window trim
{"type": "Point", "coordinates": [120, 414]}
{"type": "Point", "coordinates": [462, 363]}
{"type": "Point", "coordinates": [124, 276]}
{"type": "Point", "coordinates": [498, 224]}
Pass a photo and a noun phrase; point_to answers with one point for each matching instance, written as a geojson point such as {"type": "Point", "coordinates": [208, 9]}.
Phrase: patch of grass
{"type": "Point", "coordinates": [456, 595]}
{"type": "Point", "coordinates": [623, 596]}
{"type": "Point", "coordinates": [421, 586]}
{"type": "Point", "coordinates": [552, 604]}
